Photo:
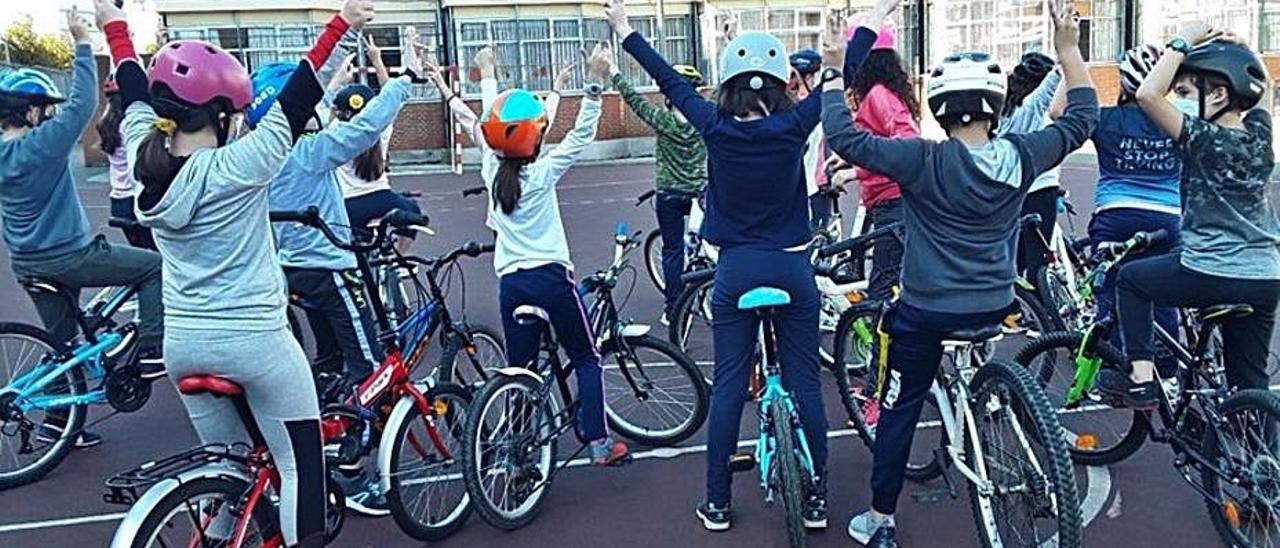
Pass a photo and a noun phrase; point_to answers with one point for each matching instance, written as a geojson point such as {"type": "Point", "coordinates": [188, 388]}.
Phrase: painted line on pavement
{"type": "Point", "coordinates": [64, 522]}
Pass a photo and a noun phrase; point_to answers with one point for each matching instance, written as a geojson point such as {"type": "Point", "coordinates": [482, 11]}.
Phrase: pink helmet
{"type": "Point", "coordinates": [199, 73]}
{"type": "Point", "coordinates": [886, 37]}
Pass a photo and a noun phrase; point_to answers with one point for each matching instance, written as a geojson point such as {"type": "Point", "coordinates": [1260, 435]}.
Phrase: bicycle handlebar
{"type": "Point", "coordinates": [648, 194]}
{"type": "Point", "coordinates": [860, 241]}
{"type": "Point", "coordinates": [123, 223]}
{"type": "Point", "coordinates": [311, 217]}
{"type": "Point", "coordinates": [473, 191]}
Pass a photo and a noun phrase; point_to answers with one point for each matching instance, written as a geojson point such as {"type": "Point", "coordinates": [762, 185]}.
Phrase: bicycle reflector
{"type": "Point", "coordinates": [1086, 442]}
{"type": "Point", "coordinates": [441, 407]}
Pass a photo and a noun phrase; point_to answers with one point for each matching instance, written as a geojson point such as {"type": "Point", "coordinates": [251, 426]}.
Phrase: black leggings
{"type": "Point", "coordinates": [1164, 281]}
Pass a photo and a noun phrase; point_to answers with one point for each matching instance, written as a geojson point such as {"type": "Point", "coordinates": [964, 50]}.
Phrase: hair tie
{"type": "Point", "coordinates": [165, 126]}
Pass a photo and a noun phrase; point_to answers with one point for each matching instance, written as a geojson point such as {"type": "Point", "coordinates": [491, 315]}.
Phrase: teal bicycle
{"type": "Point", "coordinates": [45, 389]}
{"type": "Point", "coordinates": [782, 455]}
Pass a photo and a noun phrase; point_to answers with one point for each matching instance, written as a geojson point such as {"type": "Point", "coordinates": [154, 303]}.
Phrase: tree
{"type": "Point", "coordinates": [24, 47]}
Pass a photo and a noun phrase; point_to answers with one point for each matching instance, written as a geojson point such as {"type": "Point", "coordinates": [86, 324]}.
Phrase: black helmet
{"type": "Point", "coordinates": [1238, 65]}
{"type": "Point", "coordinates": [1034, 66]}
{"type": "Point", "coordinates": [351, 99]}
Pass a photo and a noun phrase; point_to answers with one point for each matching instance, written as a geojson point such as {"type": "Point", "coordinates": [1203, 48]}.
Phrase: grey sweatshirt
{"type": "Point", "coordinates": [38, 202]}
{"type": "Point", "coordinates": [211, 226]}
{"type": "Point", "coordinates": [962, 205]}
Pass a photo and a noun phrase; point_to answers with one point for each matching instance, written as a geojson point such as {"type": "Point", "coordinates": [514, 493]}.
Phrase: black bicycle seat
{"type": "Point", "coordinates": [972, 334]}
{"type": "Point", "coordinates": [1224, 312]}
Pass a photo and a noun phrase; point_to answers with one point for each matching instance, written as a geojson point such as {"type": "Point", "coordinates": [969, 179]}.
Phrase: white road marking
{"type": "Point", "coordinates": [64, 522]}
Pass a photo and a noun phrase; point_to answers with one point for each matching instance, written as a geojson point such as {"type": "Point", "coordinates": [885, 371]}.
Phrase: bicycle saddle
{"type": "Point", "coordinates": [1224, 312]}
{"type": "Point", "coordinates": [527, 314]}
{"type": "Point", "coordinates": [40, 285]}
{"type": "Point", "coordinates": [972, 334]}
{"type": "Point", "coordinates": [209, 384]}
{"type": "Point", "coordinates": [763, 297]}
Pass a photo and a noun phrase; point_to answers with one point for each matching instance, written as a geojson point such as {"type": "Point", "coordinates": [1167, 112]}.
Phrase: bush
{"type": "Point", "coordinates": [25, 47]}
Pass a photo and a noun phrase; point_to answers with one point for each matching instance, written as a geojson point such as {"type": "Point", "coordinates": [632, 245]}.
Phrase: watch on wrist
{"type": "Point", "coordinates": [1179, 45]}
{"type": "Point", "coordinates": [593, 89]}
{"type": "Point", "coordinates": [830, 73]}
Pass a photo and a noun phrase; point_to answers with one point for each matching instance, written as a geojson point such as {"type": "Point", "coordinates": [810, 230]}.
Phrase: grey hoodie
{"type": "Point", "coordinates": [211, 227]}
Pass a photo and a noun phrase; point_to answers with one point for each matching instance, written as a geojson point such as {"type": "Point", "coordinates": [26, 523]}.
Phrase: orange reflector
{"type": "Point", "coordinates": [854, 297]}
{"type": "Point", "coordinates": [1232, 514]}
{"type": "Point", "coordinates": [441, 407]}
{"type": "Point", "coordinates": [1087, 442]}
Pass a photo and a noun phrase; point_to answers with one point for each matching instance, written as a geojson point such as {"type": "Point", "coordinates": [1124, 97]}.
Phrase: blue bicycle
{"type": "Point", "coordinates": [45, 386]}
{"type": "Point", "coordinates": [782, 454]}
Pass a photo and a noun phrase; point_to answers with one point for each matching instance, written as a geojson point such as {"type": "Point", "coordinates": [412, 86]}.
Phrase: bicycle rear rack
{"type": "Point", "coordinates": [126, 487]}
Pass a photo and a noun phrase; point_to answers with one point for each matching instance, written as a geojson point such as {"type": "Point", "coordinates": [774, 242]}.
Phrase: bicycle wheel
{"type": "Point", "coordinates": [487, 353]}
{"type": "Point", "coordinates": [201, 512]}
{"type": "Point", "coordinates": [1096, 433]}
{"type": "Point", "coordinates": [653, 259]}
{"type": "Point", "coordinates": [788, 472]}
{"type": "Point", "coordinates": [427, 496]}
{"type": "Point", "coordinates": [1032, 320]}
{"type": "Point", "coordinates": [1055, 298]}
{"type": "Point", "coordinates": [1247, 449]}
{"type": "Point", "coordinates": [690, 328]}
{"type": "Point", "coordinates": [34, 441]}
{"type": "Point", "coordinates": [509, 451]}
{"type": "Point", "coordinates": [666, 397]}
{"type": "Point", "coordinates": [1034, 500]}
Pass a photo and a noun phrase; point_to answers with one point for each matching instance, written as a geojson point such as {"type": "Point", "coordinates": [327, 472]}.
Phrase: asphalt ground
{"type": "Point", "coordinates": [1140, 502]}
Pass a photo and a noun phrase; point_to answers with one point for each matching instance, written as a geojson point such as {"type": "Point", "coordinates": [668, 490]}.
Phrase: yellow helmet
{"type": "Point", "coordinates": [689, 72]}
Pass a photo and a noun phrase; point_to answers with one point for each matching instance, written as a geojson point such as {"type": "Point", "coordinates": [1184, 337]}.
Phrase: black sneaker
{"type": "Point", "coordinates": [48, 433]}
{"type": "Point", "coordinates": [151, 363]}
{"type": "Point", "coordinates": [815, 511]}
{"type": "Point", "coordinates": [715, 517]}
{"type": "Point", "coordinates": [1117, 387]}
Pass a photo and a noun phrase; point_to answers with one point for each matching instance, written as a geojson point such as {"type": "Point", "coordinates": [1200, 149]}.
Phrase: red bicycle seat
{"type": "Point", "coordinates": [211, 384]}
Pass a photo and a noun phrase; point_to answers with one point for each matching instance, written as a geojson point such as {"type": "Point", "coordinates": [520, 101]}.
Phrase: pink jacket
{"type": "Point", "coordinates": [883, 114]}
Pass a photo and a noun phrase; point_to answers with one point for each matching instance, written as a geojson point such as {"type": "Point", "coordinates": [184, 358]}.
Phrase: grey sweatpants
{"type": "Point", "coordinates": [98, 264]}
{"type": "Point", "coordinates": [276, 378]}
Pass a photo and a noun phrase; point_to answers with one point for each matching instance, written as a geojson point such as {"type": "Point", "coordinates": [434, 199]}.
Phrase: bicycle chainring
{"type": "Point", "coordinates": [125, 389]}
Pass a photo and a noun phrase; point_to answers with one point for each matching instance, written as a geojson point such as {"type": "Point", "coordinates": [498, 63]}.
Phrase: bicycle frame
{"type": "Point", "coordinates": [767, 444]}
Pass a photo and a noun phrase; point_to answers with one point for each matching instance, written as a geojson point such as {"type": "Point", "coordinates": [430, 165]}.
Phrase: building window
{"type": "Point", "coordinates": [1101, 29]}
{"type": "Point", "coordinates": [1160, 18]}
{"type": "Point", "coordinates": [1006, 29]}
{"type": "Point", "coordinates": [1270, 27]}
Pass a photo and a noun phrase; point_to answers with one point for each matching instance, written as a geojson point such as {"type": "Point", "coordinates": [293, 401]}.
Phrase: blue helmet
{"type": "Point", "coordinates": [268, 82]}
{"type": "Point", "coordinates": [756, 53]}
{"type": "Point", "coordinates": [806, 61]}
{"type": "Point", "coordinates": [29, 87]}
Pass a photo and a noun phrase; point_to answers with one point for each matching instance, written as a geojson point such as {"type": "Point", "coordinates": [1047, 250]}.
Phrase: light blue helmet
{"type": "Point", "coordinates": [268, 82]}
{"type": "Point", "coordinates": [755, 52]}
{"type": "Point", "coordinates": [31, 86]}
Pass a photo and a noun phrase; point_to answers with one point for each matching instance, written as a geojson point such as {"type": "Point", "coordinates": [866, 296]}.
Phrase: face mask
{"type": "Point", "coordinates": [1188, 106]}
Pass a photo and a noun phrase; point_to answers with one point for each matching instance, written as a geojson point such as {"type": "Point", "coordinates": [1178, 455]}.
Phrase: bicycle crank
{"type": "Point", "coordinates": [125, 389]}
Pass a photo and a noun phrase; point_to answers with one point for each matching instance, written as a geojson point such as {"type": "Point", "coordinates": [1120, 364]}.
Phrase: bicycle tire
{"type": "Point", "coordinates": [481, 336]}
{"type": "Point", "coordinates": [840, 371]}
{"type": "Point", "coordinates": [685, 310]}
{"type": "Point", "coordinates": [455, 399]}
{"type": "Point", "coordinates": [686, 368]}
{"type": "Point", "coordinates": [1042, 369]}
{"type": "Point", "coordinates": [526, 513]}
{"type": "Point", "coordinates": [231, 490]}
{"type": "Point", "coordinates": [1029, 405]}
{"type": "Point", "coordinates": [790, 477]}
{"type": "Point", "coordinates": [74, 417]}
{"type": "Point", "coordinates": [1028, 301]}
{"type": "Point", "coordinates": [1054, 298]}
{"type": "Point", "coordinates": [653, 260]}
{"type": "Point", "coordinates": [1266, 403]}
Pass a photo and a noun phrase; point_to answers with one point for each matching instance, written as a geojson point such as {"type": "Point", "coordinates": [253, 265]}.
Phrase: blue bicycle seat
{"type": "Point", "coordinates": [763, 297]}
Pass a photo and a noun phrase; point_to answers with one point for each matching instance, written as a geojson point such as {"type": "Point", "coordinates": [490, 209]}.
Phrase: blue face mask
{"type": "Point", "coordinates": [1188, 106]}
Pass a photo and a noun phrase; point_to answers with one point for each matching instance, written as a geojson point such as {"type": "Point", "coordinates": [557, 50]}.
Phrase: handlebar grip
{"type": "Point", "coordinates": [645, 197]}
{"type": "Point", "coordinates": [486, 248]}
{"type": "Point", "coordinates": [1143, 240]}
{"type": "Point", "coordinates": [122, 223]}
{"type": "Point", "coordinates": [306, 216]}
{"type": "Point", "coordinates": [1030, 220]}
{"type": "Point", "coordinates": [400, 218]}
{"type": "Point", "coordinates": [858, 241]}
{"type": "Point", "coordinates": [474, 191]}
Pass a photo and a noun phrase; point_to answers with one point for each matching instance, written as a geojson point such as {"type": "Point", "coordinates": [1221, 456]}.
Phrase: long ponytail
{"type": "Point", "coordinates": [370, 164]}
{"type": "Point", "coordinates": [506, 183]}
{"type": "Point", "coordinates": [156, 167]}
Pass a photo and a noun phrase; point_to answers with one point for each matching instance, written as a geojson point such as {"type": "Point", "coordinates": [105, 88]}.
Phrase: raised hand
{"type": "Point", "coordinates": [436, 75]}
{"type": "Point", "coordinates": [616, 11]}
{"type": "Point", "coordinates": [357, 13]}
{"type": "Point", "coordinates": [1066, 25]}
{"type": "Point", "coordinates": [833, 42]}
{"type": "Point", "coordinates": [372, 51]}
{"type": "Point", "coordinates": [106, 11]}
{"type": "Point", "coordinates": [600, 65]}
{"type": "Point", "coordinates": [484, 57]}
{"type": "Point", "coordinates": [75, 24]}
{"type": "Point", "coordinates": [1198, 32]}
{"type": "Point", "coordinates": [882, 11]}
{"type": "Point", "coordinates": [563, 78]}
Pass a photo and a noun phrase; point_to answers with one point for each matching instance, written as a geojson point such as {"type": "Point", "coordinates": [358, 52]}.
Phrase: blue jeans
{"type": "Point", "coordinates": [734, 332]}
{"type": "Point", "coordinates": [552, 288]}
{"type": "Point", "coordinates": [672, 208]}
{"type": "Point", "coordinates": [1118, 225]}
{"type": "Point", "coordinates": [915, 353]}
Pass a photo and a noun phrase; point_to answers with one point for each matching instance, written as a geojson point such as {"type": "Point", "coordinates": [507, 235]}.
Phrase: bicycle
{"type": "Point", "coordinates": [235, 481]}
{"type": "Point", "coordinates": [46, 394]}
{"type": "Point", "coordinates": [517, 418]}
{"type": "Point", "coordinates": [1229, 439]}
{"type": "Point", "coordinates": [698, 254]}
{"type": "Point", "coordinates": [1058, 284]}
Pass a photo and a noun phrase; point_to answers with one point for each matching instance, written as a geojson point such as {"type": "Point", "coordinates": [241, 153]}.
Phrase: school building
{"type": "Point", "coordinates": [535, 37]}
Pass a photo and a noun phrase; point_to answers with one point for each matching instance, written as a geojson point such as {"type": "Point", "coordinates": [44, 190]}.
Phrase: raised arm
{"type": "Point", "coordinates": [1036, 106]}
{"type": "Point", "coordinates": [560, 159]}
{"type": "Point", "coordinates": [1151, 94]}
{"type": "Point", "coordinates": [699, 111]}
{"type": "Point", "coordinates": [340, 143]}
{"type": "Point", "coordinates": [661, 120]}
{"type": "Point", "coordinates": [375, 60]}
{"type": "Point", "coordinates": [55, 138]}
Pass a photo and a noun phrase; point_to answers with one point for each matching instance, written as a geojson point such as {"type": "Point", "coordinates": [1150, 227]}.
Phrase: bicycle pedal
{"type": "Point", "coordinates": [938, 494]}
{"type": "Point", "coordinates": [742, 462]}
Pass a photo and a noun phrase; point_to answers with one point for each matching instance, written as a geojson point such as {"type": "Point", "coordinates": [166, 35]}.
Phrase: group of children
{"type": "Point", "coordinates": [1198, 166]}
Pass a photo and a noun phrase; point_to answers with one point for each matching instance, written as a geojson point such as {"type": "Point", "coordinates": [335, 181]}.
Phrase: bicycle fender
{"type": "Point", "coordinates": [518, 372]}
{"type": "Point", "coordinates": [124, 537]}
{"type": "Point", "coordinates": [629, 331]}
{"type": "Point", "coordinates": [397, 416]}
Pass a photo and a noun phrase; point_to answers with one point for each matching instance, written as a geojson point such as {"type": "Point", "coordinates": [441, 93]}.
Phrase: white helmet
{"type": "Point", "coordinates": [970, 85]}
{"type": "Point", "coordinates": [1136, 65]}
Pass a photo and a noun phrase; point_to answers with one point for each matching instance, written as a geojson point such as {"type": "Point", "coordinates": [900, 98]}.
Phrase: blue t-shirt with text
{"type": "Point", "coordinates": [1138, 165]}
